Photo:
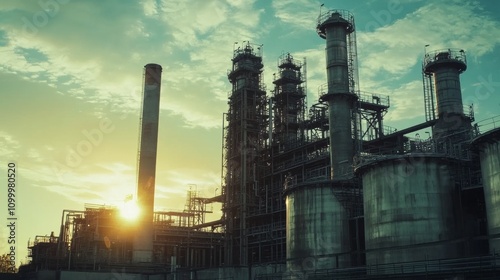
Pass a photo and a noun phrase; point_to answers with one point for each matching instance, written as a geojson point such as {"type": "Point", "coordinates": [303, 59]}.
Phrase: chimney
{"type": "Point", "coordinates": [143, 237]}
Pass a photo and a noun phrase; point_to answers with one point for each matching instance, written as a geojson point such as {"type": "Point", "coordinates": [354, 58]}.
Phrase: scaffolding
{"type": "Point", "coordinates": [288, 102]}
{"type": "Point", "coordinates": [270, 147]}
{"type": "Point", "coordinates": [99, 239]}
{"type": "Point", "coordinates": [245, 141]}
{"type": "Point", "coordinates": [372, 109]}
{"type": "Point", "coordinates": [43, 252]}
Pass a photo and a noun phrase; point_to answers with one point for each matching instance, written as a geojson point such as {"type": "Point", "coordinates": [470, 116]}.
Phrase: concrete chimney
{"type": "Point", "coordinates": [143, 237]}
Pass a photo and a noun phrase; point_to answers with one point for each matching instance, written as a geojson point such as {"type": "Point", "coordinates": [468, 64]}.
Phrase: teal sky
{"type": "Point", "coordinates": [71, 79]}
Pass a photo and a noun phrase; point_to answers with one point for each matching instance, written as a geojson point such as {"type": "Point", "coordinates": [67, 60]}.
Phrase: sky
{"type": "Point", "coordinates": [71, 84]}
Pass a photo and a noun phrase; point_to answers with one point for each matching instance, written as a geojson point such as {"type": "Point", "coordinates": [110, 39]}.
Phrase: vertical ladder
{"type": "Point", "coordinates": [430, 111]}
{"type": "Point", "coordinates": [352, 62]}
{"type": "Point", "coordinates": [352, 66]}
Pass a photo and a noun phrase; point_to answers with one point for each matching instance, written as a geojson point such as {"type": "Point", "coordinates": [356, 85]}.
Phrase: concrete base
{"type": "Point", "coordinates": [240, 273]}
{"type": "Point", "coordinates": [144, 256]}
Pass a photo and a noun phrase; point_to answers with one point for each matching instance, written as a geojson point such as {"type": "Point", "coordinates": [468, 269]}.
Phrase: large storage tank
{"type": "Point", "coordinates": [410, 204]}
{"type": "Point", "coordinates": [316, 233]}
{"type": "Point", "coordinates": [488, 146]}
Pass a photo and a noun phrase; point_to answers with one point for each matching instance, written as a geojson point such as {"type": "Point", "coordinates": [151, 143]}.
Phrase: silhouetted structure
{"type": "Point", "coordinates": [325, 192]}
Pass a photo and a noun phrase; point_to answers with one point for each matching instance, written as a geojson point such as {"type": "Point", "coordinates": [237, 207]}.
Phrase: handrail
{"type": "Point", "coordinates": [488, 124]}
{"type": "Point", "coordinates": [436, 55]}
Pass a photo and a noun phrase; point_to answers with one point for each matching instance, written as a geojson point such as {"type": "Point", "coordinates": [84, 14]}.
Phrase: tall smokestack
{"type": "Point", "coordinates": [143, 238]}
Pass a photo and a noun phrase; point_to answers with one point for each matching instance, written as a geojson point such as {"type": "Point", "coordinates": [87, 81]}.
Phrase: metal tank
{"type": "Point", "coordinates": [143, 237]}
{"type": "Point", "coordinates": [488, 146]}
{"type": "Point", "coordinates": [316, 231]}
{"type": "Point", "coordinates": [409, 206]}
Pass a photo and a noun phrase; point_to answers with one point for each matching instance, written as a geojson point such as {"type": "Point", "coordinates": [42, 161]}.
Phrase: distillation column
{"type": "Point", "coordinates": [143, 238]}
{"type": "Point", "coordinates": [289, 102]}
{"type": "Point", "coordinates": [446, 67]}
{"type": "Point", "coordinates": [244, 140]}
{"type": "Point", "coordinates": [316, 211]}
{"type": "Point", "coordinates": [335, 26]}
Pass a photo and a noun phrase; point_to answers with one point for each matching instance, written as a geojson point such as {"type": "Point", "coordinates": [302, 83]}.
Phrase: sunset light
{"type": "Point", "coordinates": [246, 139]}
{"type": "Point", "coordinates": [129, 210]}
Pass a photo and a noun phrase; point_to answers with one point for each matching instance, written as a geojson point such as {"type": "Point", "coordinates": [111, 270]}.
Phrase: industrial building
{"type": "Point", "coordinates": [319, 192]}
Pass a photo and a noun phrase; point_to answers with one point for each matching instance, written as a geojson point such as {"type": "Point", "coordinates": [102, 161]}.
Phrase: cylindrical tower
{"type": "Point", "coordinates": [410, 205]}
{"type": "Point", "coordinates": [143, 238]}
{"type": "Point", "coordinates": [488, 146]}
{"type": "Point", "coordinates": [289, 102]}
{"type": "Point", "coordinates": [244, 141]}
{"type": "Point", "coordinates": [317, 235]}
{"type": "Point", "coordinates": [446, 67]}
{"type": "Point", "coordinates": [337, 27]}
{"type": "Point", "coordinates": [317, 212]}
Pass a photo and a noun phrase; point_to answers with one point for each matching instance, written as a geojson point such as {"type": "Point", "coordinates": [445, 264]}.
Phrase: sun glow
{"type": "Point", "coordinates": [129, 210]}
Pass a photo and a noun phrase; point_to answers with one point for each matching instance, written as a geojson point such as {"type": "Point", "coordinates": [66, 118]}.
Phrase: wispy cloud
{"type": "Point", "coordinates": [395, 48]}
{"type": "Point", "coordinates": [404, 99]}
{"type": "Point", "coordinates": [9, 147]}
{"type": "Point", "coordinates": [102, 65]}
{"type": "Point", "coordinates": [315, 68]}
{"type": "Point", "coordinates": [388, 53]}
{"type": "Point", "coordinates": [297, 13]}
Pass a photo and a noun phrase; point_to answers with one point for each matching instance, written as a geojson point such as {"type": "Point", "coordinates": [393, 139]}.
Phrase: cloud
{"type": "Point", "coordinates": [9, 147]}
{"type": "Point", "coordinates": [316, 68]}
{"type": "Point", "coordinates": [108, 182]}
{"type": "Point", "coordinates": [192, 40]}
{"type": "Point", "coordinates": [205, 37]}
{"type": "Point", "coordinates": [394, 49]}
{"type": "Point", "coordinates": [187, 20]}
{"type": "Point", "coordinates": [407, 102]}
{"type": "Point", "coordinates": [72, 184]}
{"type": "Point", "coordinates": [150, 7]}
{"type": "Point", "coordinates": [296, 13]}
{"type": "Point", "coordinates": [390, 53]}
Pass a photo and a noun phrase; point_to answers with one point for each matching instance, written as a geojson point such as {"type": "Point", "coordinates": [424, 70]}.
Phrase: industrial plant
{"type": "Point", "coordinates": [325, 191]}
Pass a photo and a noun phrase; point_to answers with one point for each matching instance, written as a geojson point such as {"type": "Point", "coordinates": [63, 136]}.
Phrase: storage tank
{"type": "Point", "coordinates": [316, 232]}
{"type": "Point", "coordinates": [488, 145]}
{"type": "Point", "coordinates": [410, 203]}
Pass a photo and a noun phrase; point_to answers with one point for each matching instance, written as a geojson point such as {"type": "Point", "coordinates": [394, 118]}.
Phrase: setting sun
{"type": "Point", "coordinates": [129, 210]}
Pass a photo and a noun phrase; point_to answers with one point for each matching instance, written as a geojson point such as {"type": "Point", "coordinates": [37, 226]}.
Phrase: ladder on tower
{"type": "Point", "coordinates": [430, 111]}
{"type": "Point", "coordinates": [352, 68]}
{"type": "Point", "coordinates": [352, 62]}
